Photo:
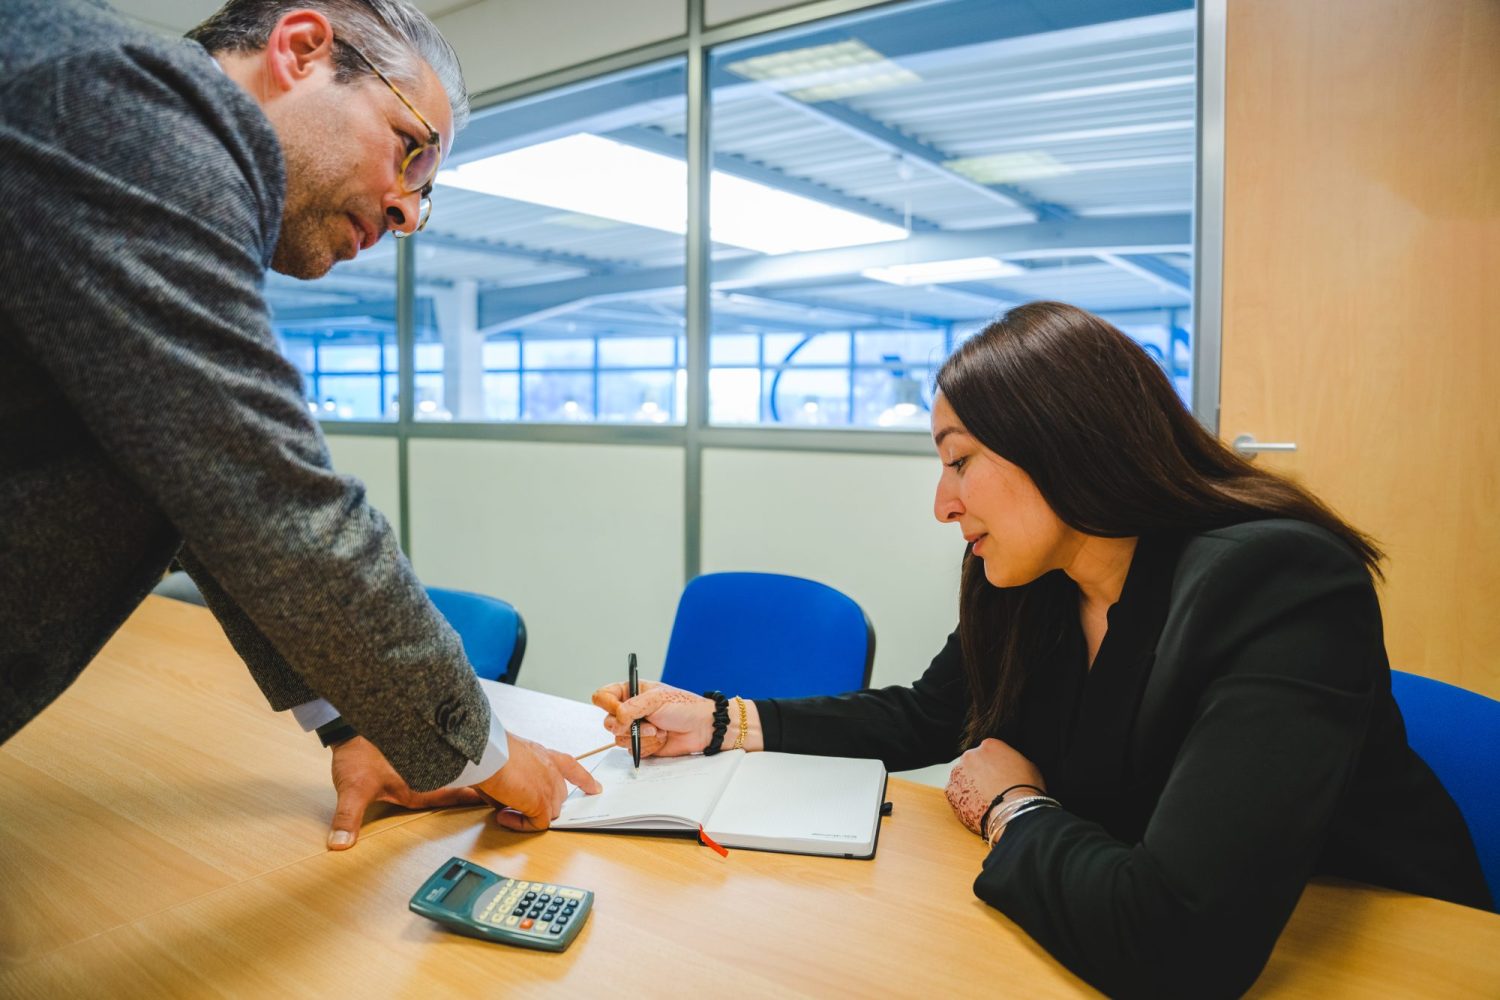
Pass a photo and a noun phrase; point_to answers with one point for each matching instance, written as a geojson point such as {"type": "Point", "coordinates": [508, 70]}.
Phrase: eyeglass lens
{"type": "Point", "coordinates": [421, 168]}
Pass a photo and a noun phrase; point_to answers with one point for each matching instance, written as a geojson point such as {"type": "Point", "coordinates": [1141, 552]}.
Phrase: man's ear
{"type": "Point", "coordinates": [299, 47]}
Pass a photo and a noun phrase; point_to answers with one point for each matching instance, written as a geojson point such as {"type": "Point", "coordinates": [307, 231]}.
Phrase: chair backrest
{"type": "Point", "coordinates": [493, 633]}
{"type": "Point", "coordinates": [1457, 732]}
{"type": "Point", "coordinates": [764, 635]}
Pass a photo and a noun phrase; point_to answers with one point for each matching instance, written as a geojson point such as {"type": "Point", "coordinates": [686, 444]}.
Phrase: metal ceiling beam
{"type": "Point", "coordinates": [1153, 269]}
{"type": "Point", "coordinates": [659, 91]}
{"type": "Point", "coordinates": [877, 133]}
{"type": "Point", "coordinates": [854, 311]}
{"type": "Point", "coordinates": [593, 265]}
{"type": "Point", "coordinates": [1068, 237]}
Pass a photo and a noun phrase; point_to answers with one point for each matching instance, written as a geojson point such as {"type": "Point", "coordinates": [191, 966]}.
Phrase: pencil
{"type": "Point", "coordinates": [594, 751]}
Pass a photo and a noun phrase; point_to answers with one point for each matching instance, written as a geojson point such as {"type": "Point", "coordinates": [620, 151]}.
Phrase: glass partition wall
{"type": "Point", "coordinates": [880, 186]}
{"type": "Point", "coordinates": [966, 156]}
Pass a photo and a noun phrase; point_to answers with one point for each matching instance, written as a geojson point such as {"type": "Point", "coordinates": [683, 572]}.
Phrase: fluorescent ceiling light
{"type": "Point", "coordinates": [1005, 168]}
{"type": "Point", "coordinates": [826, 72]}
{"type": "Point", "coordinates": [575, 221]}
{"type": "Point", "coordinates": [941, 272]}
{"type": "Point", "coordinates": [595, 176]}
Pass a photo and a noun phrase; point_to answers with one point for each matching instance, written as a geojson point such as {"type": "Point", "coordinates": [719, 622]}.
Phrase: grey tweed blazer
{"type": "Point", "coordinates": [145, 408]}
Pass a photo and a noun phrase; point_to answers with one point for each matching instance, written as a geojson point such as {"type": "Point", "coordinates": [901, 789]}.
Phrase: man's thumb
{"type": "Point", "coordinates": [347, 816]}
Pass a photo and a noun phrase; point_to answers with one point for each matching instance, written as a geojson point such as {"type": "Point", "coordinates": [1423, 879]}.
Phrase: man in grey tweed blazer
{"type": "Point", "coordinates": [145, 410]}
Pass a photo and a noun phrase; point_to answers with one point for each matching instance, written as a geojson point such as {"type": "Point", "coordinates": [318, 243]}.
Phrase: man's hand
{"type": "Point", "coordinates": [529, 790]}
{"type": "Point", "coordinates": [362, 775]}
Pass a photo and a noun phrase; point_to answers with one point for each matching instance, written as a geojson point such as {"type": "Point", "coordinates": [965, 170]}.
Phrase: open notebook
{"type": "Point", "coordinates": [793, 803]}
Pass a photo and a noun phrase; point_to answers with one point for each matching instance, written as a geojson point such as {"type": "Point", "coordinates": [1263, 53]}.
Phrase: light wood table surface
{"type": "Point", "coordinates": [161, 834]}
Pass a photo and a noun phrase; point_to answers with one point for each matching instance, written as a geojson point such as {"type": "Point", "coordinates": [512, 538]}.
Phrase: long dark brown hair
{"type": "Point", "coordinates": [1096, 424]}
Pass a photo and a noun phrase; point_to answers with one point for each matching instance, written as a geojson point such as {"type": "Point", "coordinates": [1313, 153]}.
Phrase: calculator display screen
{"type": "Point", "coordinates": [461, 895]}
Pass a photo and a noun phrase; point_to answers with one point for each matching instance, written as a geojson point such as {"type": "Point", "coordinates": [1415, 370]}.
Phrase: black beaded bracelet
{"type": "Point", "coordinates": [721, 722]}
{"type": "Point", "coordinates": [984, 821]}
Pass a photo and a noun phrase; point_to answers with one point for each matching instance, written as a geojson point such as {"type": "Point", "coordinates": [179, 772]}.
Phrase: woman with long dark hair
{"type": "Point", "coordinates": [1168, 685]}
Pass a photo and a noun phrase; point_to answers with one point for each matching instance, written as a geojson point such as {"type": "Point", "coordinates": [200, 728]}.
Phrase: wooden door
{"type": "Point", "coordinates": [1362, 292]}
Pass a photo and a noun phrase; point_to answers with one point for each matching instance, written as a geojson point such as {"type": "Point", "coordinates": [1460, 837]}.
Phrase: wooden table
{"type": "Point", "coordinates": [161, 834]}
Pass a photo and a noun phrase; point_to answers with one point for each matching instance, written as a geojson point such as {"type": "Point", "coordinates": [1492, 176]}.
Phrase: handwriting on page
{"type": "Point", "coordinates": [616, 768]}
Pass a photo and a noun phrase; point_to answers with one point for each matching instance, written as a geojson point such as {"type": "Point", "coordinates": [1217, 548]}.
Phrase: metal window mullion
{"type": "Point", "coordinates": [520, 377]}
{"type": "Point", "coordinates": [406, 354]}
{"type": "Point", "coordinates": [1208, 214]}
{"type": "Point", "coordinates": [850, 366]}
{"type": "Point", "coordinates": [696, 304]}
{"type": "Point", "coordinates": [383, 372]}
{"type": "Point", "coordinates": [317, 370]}
{"type": "Point", "coordinates": [594, 377]}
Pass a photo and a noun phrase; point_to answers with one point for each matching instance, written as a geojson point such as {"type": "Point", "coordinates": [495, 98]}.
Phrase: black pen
{"type": "Point", "coordinates": [635, 725]}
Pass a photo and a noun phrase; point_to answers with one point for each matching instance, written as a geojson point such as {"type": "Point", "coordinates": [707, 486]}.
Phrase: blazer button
{"type": "Point", "coordinates": [450, 715]}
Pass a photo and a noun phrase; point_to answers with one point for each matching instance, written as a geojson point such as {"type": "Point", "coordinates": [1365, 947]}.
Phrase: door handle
{"type": "Point", "coordinates": [1246, 444]}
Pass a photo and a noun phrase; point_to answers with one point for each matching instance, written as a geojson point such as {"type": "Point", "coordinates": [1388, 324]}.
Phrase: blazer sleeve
{"type": "Point", "coordinates": [143, 195]}
{"type": "Point", "coordinates": [1288, 629]}
{"type": "Point", "coordinates": [904, 726]}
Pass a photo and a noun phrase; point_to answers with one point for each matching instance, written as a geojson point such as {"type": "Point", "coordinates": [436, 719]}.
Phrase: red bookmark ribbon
{"type": "Point", "coordinates": [708, 841]}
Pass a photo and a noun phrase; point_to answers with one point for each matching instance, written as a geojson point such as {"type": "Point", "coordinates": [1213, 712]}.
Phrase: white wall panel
{"type": "Point", "coordinates": [502, 41]}
{"type": "Point", "coordinates": [376, 462]}
{"type": "Point", "coordinates": [586, 540]}
{"type": "Point", "coordinates": [719, 11]}
{"type": "Point", "coordinates": [860, 523]}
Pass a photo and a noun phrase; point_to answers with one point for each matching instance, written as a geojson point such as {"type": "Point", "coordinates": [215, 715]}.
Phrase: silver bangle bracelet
{"type": "Point", "coordinates": [1020, 807]}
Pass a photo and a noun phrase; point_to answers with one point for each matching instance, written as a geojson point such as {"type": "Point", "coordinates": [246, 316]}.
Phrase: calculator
{"type": "Point", "coordinates": [474, 900]}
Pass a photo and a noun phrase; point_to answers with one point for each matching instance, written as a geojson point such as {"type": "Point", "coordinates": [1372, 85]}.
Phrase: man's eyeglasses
{"type": "Point", "coordinates": [420, 167]}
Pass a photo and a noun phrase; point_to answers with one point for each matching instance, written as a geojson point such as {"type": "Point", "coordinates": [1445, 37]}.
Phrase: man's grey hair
{"type": "Point", "coordinates": [392, 34]}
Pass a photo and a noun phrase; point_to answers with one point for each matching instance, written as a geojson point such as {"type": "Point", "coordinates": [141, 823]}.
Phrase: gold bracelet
{"type": "Point", "coordinates": [739, 742]}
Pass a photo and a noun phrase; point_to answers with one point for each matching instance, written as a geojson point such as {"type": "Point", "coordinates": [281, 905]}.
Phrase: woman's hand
{"type": "Point", "coordinates": [984, 772]}
{"type": "Point", "coordinates": [674, 722]}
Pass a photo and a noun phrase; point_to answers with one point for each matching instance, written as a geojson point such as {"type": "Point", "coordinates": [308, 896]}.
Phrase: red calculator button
{"type": "Point", "coordinates": [526, 924]}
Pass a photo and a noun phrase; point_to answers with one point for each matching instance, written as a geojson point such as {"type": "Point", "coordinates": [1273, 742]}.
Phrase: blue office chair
{"type": "Point", "coordinates": [1457, 732]}
{"type": "Point", "coordinates": [764, 635]}
{"type": "Point", "coordinates": [493, 632]}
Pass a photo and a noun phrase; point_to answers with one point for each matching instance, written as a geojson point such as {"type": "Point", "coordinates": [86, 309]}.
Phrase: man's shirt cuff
{"type": "Point", "coordinates": [312, 714]}
{"type": "Point", "coordinates": [496, 753]}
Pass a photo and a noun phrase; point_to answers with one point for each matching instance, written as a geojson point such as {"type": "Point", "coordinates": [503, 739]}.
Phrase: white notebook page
{"type": "Point", "coordinates": [780, 800]}
{"type": "Point", "coordinates": [665, 788]}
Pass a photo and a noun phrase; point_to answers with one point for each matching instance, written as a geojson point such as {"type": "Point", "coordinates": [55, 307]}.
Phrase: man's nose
{"type": "Point", "coordinates": [402, 213]}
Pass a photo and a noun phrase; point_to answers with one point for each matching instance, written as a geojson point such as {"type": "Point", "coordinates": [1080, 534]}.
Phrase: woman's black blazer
{"type": "Point", "coordinates": [1235, 736]}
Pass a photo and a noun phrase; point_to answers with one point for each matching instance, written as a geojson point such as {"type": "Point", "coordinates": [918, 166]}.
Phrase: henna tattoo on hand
{"type": "Point", "coordinates": [967, 801]}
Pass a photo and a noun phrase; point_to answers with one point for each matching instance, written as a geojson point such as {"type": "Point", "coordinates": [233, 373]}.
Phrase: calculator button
{"type": "Point", "coordinates": [557, 928]}
{"type": "Point", "coordinates": [544, 898]}
{"type": "Point", "coordinates": [561, 921]}
{"type": "Point", "coordinates": [519, 911]}
{"type": "Point", "coordinates": [531, 894]}
{"type": "Point", "coordinates": [526, 924]}
{"type": "Point", "coordinates": [571, 905]}
{"type": "Point", "coordinates": [512, 920]}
